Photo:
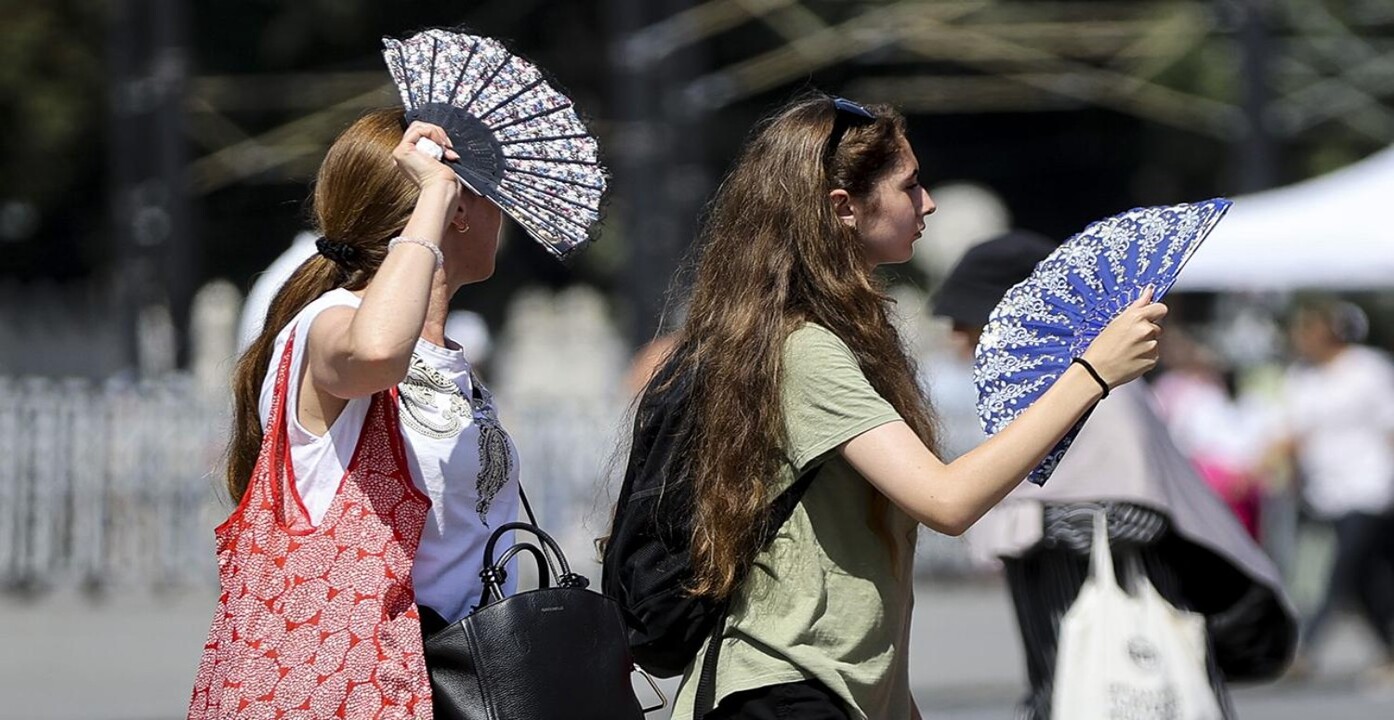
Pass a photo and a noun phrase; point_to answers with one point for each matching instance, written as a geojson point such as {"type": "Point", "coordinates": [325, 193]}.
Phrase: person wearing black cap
{"type": "Point", "coordinates": [984, 274]}
{"type": "Point", "coordinates": [1124, 463]}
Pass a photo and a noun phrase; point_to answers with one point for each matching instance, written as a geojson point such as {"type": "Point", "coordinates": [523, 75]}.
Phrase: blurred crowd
{"type": "Point", "coordinates": [1287, 414]}
{"type": "Point", "coordinates": [1322, 430]}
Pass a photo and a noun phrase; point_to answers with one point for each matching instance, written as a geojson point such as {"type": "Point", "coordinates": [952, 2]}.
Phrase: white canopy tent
{"type": "Point", "coordinates": [1334, 232]}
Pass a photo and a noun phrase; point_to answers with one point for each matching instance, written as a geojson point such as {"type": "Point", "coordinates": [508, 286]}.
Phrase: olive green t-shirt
{"type": "Point", "coordinates": [828, 600]}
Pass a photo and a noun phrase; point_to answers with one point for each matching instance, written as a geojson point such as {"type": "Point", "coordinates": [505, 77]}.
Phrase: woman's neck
{"type": "Point", "coordinates": [433, 329]}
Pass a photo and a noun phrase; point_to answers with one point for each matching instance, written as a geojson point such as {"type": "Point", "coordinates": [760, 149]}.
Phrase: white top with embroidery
{"type": "Point", "coordinates": [459, 456]}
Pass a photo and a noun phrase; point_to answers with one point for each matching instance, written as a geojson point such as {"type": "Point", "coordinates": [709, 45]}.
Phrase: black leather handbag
{"type": "Point", "coordinates": [559, 652]}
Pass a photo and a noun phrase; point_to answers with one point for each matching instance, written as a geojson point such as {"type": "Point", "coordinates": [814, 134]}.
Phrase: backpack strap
{"type": "Point", "coordinates": [705, 699]}
{"type": "Point", "coordinates": [783, 506]}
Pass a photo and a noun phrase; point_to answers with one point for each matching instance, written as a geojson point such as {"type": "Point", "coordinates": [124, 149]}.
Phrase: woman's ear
{"type": "Point", "coordinates": [460, 221]}
{"type": "Point", "coordinates": [843, 208]}
{"type": "Point", "coordinates": [470, 205]}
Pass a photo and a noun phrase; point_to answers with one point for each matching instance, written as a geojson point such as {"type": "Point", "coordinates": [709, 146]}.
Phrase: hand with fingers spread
{"type": "Point", "coordinates": [423, 169]}
{"type": "Point", "coordinates": [1127, 347]}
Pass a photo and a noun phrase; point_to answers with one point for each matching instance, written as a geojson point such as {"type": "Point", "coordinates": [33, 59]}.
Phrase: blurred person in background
{"type": "Point", "coordinates": [267, 284]}
{"type": "Point", "coordinates": [651, 356]}
{"type": "Point", "coordinates": [795, 366]}
{"type": "Point", "coordinates": [1223, 441]}
{"type": "Point", "coordinates": [1340, 413]}
{"type": "Point", "coordinates": [367, 406]}
{"type": "Point", "coordinates": [1160, 514]}
{"type": "Point", "coordinates": [646, 362]}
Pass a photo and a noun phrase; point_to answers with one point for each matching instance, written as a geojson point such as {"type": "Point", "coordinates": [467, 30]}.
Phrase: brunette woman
{"type": "Point", "coordinates": [796, 365]}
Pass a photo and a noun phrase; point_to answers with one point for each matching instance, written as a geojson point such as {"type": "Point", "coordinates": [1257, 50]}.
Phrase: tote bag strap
{"type": "Point", "coordinates": [289, 508]}
{"type": "Point", "coordinates": [261, 481]}
{"type": "Point", "coordinates": [1100, 557]}
{"type": "Point", "coordinates": [276, 435]}
{"type": "Point", "coordinates": [391, 417]}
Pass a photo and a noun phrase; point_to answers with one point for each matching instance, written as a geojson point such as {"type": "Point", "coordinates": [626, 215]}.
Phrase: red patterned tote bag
{"type": "Point", "coordinates": [319, 621]}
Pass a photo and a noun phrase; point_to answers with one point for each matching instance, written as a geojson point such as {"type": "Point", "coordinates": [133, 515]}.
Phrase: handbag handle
{"type": "Point", "coordinates": [547, 541]}
{"type": "Point", "coordinates": [494, 574]}
{"type": "Point", "coordinates": [544, 578]}
{"type": "Point", "coordinates": [527, 508]}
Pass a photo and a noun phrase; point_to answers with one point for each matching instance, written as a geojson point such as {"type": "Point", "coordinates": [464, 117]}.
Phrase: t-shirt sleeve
{"type": "Point", "coordinates": [826, 397]}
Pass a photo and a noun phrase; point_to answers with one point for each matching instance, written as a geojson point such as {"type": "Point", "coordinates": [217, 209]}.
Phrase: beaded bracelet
{"type": "Point", "coordinates": [440, 256]}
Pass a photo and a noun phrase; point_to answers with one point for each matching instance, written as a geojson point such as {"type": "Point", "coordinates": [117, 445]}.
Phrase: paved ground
{"type": "Point", "coordinates": [65, 657]}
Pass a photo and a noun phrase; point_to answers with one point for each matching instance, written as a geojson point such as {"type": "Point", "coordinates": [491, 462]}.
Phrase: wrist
{"type": "Point", "coordinates": [434, 248]}
{"type": "Point", "coordinates": [1078, 380]}
{"type": "Point", "coordinates": [1094, 374]}
{"type": "Point", "coordinates": [441, 187]}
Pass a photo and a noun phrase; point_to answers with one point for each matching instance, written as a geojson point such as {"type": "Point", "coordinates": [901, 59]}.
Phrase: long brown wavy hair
{"type": "Point", "coordinates": [360, 199]}
{"type": "Point", "coordinates": [774, 255]}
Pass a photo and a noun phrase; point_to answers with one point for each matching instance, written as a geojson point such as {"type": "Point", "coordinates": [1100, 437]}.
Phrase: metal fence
{"type": "Point", "coordinates": [116, 484]}
{"type": "Point", "coordinates": [106, 484]}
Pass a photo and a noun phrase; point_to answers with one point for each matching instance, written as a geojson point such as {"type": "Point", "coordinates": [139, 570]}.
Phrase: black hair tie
{"type": "Point", "coordinates": [342, 254]}
{"type": "Point", "coordinates": [1097, 377]}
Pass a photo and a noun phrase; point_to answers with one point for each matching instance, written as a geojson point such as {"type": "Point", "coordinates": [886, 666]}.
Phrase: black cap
{"type": "Point", "coordinates": [986, 272]}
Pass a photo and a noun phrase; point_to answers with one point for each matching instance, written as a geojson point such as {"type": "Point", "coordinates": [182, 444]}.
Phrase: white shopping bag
{"type": "Point", "coordinates": [1129, 658]}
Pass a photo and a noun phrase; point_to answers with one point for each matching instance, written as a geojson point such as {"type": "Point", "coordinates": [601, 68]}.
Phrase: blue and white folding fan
{"type": "Point", "coordinates": [1051, 317]}
{"type": "Point", "coordinates": [520, 141]}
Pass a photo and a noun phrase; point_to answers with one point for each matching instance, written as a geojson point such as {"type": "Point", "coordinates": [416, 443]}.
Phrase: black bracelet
{"type": "Point", "coordinates": [1097, 377]}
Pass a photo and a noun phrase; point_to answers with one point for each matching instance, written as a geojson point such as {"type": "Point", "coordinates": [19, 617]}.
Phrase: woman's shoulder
{"type": "Point", "coordinates": [814, 351]}
{"type": "Point", "coordinates": [811, 337]}
{"type": "Point", "coordinates": [338, 297]}
{"type": "Point", "coordinates": [300, 325]}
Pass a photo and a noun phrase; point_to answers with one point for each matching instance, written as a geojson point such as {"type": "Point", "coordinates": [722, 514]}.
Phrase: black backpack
{"type": "Point", "coordinates": [647, 565]}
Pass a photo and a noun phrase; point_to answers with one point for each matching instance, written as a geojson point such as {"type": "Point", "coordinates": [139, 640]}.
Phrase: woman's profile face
{"type": "Point", "coordinates": [891, 217]}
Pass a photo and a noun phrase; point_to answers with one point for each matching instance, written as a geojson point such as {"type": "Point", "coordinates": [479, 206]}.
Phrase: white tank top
{"type": "Point", "coordinates": [458, 454]}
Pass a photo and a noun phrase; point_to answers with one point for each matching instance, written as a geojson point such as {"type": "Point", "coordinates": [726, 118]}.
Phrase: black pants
{"type": "Point", "coordinates": [1363, 570]}
{"type": "Point", "coordinates": [807, 700]}
{"type": "Point", "coordinates": [1044, 583]}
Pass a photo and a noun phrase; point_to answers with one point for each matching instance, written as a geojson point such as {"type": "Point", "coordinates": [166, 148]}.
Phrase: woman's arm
{"type": "Point", "coordinates": [353, 353]}
{"type": "Point", "coordinates": [951, 497]}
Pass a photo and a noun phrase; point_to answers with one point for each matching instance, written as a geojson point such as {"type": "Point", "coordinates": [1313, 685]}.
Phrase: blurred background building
{"type": "Point", "coordinates": [155, 156]}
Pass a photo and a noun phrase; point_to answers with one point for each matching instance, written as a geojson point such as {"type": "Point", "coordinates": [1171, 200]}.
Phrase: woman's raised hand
{"type": "Point", "coordinates": [1127, 348]}
{"type": "Point", "coordinates": [420, 167]}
